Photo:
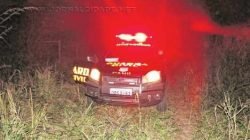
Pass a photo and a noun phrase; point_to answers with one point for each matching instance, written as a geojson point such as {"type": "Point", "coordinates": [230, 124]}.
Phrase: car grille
{"type": "Point", "coordinates": [110, 80]}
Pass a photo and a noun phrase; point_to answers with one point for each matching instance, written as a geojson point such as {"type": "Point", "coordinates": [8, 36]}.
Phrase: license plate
{"type": "Point", "coordinates": [120, 91]}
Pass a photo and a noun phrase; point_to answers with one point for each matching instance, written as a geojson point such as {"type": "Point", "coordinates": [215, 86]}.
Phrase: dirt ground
{"type": "Point", "coordinates": [185, 102]}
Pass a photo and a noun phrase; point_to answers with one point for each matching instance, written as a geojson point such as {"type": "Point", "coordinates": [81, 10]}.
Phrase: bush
{"type": "Point", "coordinates": [226, 103]}
{"type": "Point", "coordinates": [229, 70]}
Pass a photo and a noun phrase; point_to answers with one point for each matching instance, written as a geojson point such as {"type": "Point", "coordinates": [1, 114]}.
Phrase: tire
{"type": "Point", "coordinates": [89, 102]}
{"type": "Point", "coordinates": [162, 106]}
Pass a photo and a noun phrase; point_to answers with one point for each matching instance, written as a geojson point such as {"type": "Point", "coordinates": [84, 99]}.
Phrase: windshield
{"type": "Point", "coordinates": [132, 53]}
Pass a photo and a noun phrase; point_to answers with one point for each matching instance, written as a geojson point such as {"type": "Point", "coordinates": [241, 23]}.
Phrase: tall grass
{"type": "Point", "coordinates": [226, 106]}
{"type": "Point", "coordinates": [42, 106]}
{"type": "Point", "coordinates": [228, 120]}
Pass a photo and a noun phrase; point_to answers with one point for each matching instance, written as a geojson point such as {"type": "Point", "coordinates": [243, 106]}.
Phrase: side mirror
{"type": "Point", "coordinates": [92, 59]}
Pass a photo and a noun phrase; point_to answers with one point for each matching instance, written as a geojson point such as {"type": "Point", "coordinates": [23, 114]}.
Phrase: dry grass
{"type": "Point", "coordinates": [39, 105]}
{"type": "Point", "coordinates": [44, 107]}
{"type": "Point", "coordinates": [226, 106]}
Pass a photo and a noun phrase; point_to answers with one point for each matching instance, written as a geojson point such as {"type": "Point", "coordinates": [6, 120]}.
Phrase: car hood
{"type": "Point", "coordinates": [133, 66]}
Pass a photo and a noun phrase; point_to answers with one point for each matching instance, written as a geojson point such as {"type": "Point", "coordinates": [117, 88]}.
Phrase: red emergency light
{"type": "Point", "coordinates": [138, 37]}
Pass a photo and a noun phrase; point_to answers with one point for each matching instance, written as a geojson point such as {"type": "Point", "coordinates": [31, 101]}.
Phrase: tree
{"type": "Point", "coordinates": [11, 57]}
{"type": "Point", "coordinates": [228, 12]}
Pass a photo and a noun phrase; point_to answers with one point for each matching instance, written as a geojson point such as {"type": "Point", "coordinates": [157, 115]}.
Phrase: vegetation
{"type": "Point", "coordinates": [226, 121]}
{"type": "Point", "coordinates": [40, 104]}
{"type": "Point", "coordinates": [12, 56]}
{"type": "Point", "coordinates": [228, 12]}
{"type": "Point", "coordinates": [44, 107]}
{"type": "Point", "coordinates": [226, 105]}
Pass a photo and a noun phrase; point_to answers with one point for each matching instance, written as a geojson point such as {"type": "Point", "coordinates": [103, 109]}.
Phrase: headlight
{"type": "Point", "coordinates": [152, 76]}
{"type": "Point", "coordinates": [95, 74]}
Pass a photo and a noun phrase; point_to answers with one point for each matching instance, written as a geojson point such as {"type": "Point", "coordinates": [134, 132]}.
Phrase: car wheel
{"type": "Point", "coordinates": [162, 106]}
{"type": "Point", "coordinates": [89, 101]}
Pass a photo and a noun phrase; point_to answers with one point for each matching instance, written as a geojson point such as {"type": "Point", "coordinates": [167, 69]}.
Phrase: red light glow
{"type": "Point", "coordinates": [126, 64]}
{"type": "Point", "coordinates": [179, 28]}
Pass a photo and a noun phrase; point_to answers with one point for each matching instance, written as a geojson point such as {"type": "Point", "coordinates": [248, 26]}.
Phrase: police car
{"type": "Point", "coordinates": [132, 73]}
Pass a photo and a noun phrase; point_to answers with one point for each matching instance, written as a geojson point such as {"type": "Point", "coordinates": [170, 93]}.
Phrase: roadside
{"type": "Point", "coordinates": [184, 101]}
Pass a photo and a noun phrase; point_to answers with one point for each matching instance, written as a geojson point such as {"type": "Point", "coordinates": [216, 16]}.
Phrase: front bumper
{"type": "Point", "coordinates": [142, 94]}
